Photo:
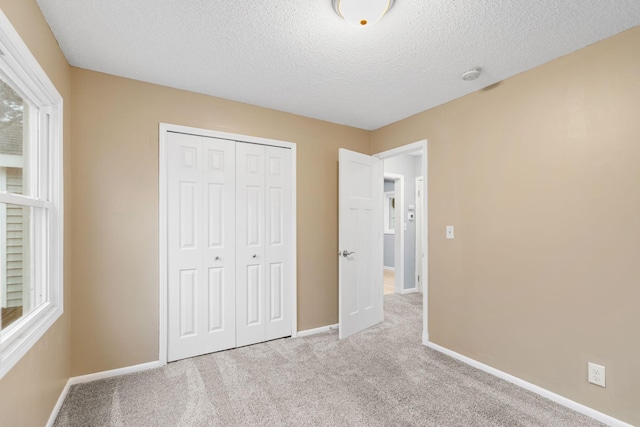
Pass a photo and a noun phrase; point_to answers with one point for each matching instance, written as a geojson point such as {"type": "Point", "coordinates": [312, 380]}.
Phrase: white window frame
{"type": "Point", "coordinates": [20, 67]}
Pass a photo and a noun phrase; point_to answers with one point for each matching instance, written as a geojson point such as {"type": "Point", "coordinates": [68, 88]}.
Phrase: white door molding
{"type": "Point", "coordinates": [419, 232]}
{"type": "Point", "coordinates": [406, 149]}
{"type": "Point", "coordinates": [164, 129]}
{"type": "Point", "coordinates": [398, 240]}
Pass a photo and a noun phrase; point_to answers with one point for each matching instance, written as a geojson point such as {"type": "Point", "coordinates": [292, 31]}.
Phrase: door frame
{"type": "Point", "coordinates": [164, 129]}
{"type": "Point", "coordinates": [398, 239]}
{"type": "Point", "coordinates": [419, 220]}
{"type": "Point", "coordinates": [406, 149]}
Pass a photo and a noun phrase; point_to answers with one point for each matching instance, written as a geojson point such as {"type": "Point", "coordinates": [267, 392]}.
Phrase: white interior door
{"type": "Point", "coordinates": [250, 271]}
{"type": "Point", "coordinates": [360, 242]}
{"type": "Point", "coordinates": [201, 245]}
{"type": "Point", "coordinates": [279, 282]}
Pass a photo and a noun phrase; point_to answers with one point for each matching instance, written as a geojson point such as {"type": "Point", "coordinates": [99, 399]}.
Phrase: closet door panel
{"type": "Point", "coordinates": [201, 245]}
{"type": "Point", "coordinates": [250, 238]}
{"type": "Point", "coordinates": [276, 293]}
{"type": "Point", "coordinates": [218, 233]}
{"type": "Point", "coordinates": [184, 244]}
{"type": "Point", "coordinates": [217, 304]}
{"type": "Point", "coordinates": [278, 250]}
{"type": "Point", "coordinates": [188, 299]}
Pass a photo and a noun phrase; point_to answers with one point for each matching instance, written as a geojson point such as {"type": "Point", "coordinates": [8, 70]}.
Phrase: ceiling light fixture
{"type": "Point", "coordinates": [362, 13]}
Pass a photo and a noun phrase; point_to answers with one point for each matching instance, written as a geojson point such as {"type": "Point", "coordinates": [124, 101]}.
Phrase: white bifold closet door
{"type": "Point", "coordinates": [263, 232]}
{"type": "Point", "coordinates": [228, 244]}
{"type": "Point", "coordinates": [201, 245]}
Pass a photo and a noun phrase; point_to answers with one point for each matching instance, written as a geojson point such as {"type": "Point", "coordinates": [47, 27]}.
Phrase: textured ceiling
{"type": "Point", "coordinates": [299, 56]}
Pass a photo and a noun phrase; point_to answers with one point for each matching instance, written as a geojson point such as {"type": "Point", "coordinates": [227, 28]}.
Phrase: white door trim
{"type": "Point", "coordinates": [398, 240]}
{"type": "Point", "coordinates": [406, 149]}
{"type": "Point", "coordinates": [419, 221]}
{"type": "Point", "coordinates": [164, 128]}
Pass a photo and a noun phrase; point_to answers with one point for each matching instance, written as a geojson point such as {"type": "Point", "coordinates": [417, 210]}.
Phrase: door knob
{"type": "Point", "coordinates": [346, 253]}
{"type": "Point", "coordinates": [254, 256]}
{"type": "Point", "coordinates": [217, 258]}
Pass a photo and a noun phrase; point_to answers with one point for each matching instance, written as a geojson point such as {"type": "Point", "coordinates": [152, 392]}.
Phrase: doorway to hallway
{"type": "Point", "coordinates": [389, 282]}
{"type": "Point", "coordinates": [401, 222]}
{"type": "Point", "coordinates": [414, 222]}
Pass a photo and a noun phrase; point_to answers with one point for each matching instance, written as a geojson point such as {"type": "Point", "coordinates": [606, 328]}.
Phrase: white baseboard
{"type": "Point", "coordinates": [578, 407]}
{"type": "Point", "coordinates": [93, 377]}
{"type": "Point", "coordinates": [319, 330]}
{"type": "Point", "coordinates": [389, 268]}
{"type": "Point", "coordinates": [408, 291]}
{"type": "Point", "coordinates": [56, 409]}
{"type": "Point", "coordinates": [114, 372]}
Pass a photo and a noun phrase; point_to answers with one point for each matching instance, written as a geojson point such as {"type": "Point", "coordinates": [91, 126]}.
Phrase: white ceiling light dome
{"type": "Point", "coordinates": [362, 13]}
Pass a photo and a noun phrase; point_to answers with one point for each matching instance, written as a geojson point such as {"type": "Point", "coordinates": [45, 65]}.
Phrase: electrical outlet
{"type": "Point", "coordinates": [596, 374]}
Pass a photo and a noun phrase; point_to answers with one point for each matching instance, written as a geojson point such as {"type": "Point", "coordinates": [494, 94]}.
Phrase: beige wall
{"type": "Point", "coordinates": [540, 176]}
{"type": "Point", "coordinates": [30, 390]}
{"type": "Point", "coordinates": [115, 229]}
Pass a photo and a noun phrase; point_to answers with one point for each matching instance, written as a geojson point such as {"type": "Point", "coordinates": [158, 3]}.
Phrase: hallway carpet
{"type": "Point", "coordinates": [383, 376]}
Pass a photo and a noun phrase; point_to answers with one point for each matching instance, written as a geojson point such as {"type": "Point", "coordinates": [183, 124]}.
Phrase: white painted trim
{"type": "Point", "coordinates": [11, 161]}
{"type": "Point", "coordinates": [59, 403]}
{"type": "Point", "coordinates": [164, 128]}
{"type": "Point", "coordinates": [19, 66]}
{"type": "Point", "coordinates": [389, 268]}
{"type": "Point", "coordinates": [398, 241]}
{"type": "Point", "coordinates": [114, 372]}
{"type": "Point", "coordinates": [3, 241]}
{"type": "Point", "coordinates": [387, 196]}
{"type": "Point", "coordinates": [418, 252]}
{"type": "Point", "coordinates": [319, 330]}
{"type": "Point", "coordinates": [94, 377]}
{"type": "Point", "coordinates": [18, 199]}
{"type": "Point", "coordinates": [226, 135]}
{"type": "Point", "coordinates": [294, 241]}
{"type": "Point", "coordinates": [409, 291]}
{"type": "Point", "coordinates": [163, 255]}
{"type": "Point", "coordinates": [578, 407]}
{"type": "Point", "coordinates": [406, 149]}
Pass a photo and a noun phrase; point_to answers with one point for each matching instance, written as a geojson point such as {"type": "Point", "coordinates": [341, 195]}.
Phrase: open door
{"type": "Point", "coordinates": [360, 242]}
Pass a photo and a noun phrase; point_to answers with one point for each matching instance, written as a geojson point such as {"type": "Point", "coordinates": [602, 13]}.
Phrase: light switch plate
{"type": "Point", "coordinates": [449, 231]}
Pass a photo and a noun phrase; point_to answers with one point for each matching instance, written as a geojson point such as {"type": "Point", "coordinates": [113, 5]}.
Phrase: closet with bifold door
{"type": "Point", "coordinates": [228, 244]}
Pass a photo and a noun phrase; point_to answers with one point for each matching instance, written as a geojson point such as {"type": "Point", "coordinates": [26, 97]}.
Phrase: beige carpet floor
{"type": "Point", "coordinates": [383, 376]}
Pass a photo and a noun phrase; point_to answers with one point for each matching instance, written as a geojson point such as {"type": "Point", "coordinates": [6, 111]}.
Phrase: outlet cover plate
{"type": "Point", "coordinates": [449, 231]}
{"type": "Point", "coordinates": [596, 374]}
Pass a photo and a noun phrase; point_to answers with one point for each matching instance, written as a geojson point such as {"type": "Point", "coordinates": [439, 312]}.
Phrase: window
{"type": "Point", "coordinates": [389, 212]}
{"type": "Point", "coordinates": [30, 199]}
